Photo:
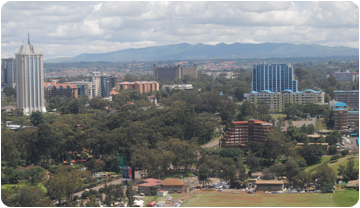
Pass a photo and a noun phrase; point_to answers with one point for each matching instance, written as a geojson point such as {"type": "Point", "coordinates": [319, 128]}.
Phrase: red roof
{"type": "Point", "coordinates": [113, 92]}
{"type": "Point", "coordinates": [151, 182]}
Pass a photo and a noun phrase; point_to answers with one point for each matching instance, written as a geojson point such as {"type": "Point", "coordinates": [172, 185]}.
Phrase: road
{"type": "Point", "coordinates": [100, 186]}
{"type": "Point", "coordinates": [212, 144]}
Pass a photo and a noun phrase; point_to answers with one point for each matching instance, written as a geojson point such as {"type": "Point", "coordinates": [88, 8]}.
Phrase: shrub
{"type": "Point", "coordinates": [344, 152]}
{"type": "Point", "coordinates": [93, 192]}
{"type": "Point", "coordinates": [85, 194]}
{"type": "Point", "coordinates": [101, 190]}
{"type": "Point", "coordinates": [335, 157]}
{"type": "Point", "coordinates": [99, 196]}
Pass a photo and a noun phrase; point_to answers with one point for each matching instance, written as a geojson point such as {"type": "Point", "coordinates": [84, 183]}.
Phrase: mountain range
{"type": "Point", "coordinates": [185, 51]}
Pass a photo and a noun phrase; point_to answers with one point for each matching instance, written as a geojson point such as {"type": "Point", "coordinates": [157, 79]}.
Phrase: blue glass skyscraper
{"type": "Point", "coordinates": [273, 77]}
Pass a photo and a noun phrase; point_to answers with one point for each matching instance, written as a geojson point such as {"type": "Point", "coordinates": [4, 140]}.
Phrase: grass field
{"type": "Point", "coordinates": [277, 115]}
{"type": "Point", "coordinates": [6, 186]}
{"type": "Point", "coordinates": [320, 124]}
{"type": "Point", "coordinates": [348, 198]}
{"type": "Point", "coordinates": [323, 159]}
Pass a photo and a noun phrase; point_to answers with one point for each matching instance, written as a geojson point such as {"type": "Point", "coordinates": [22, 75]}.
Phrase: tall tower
{"type": "Point", "coordinates": [96, 82]}
{"type": "Point", "coordinates": [8, 72]}
{"type": "Point", "coordinates": [30, 78]}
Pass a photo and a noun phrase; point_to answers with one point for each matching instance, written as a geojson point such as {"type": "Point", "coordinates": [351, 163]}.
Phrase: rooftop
{"type": "Point", "coordinates": [172, 182]}
{"type": "Point", "coordinates": [269, 182]}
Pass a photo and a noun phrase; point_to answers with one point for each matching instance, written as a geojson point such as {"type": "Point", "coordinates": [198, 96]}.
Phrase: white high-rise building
{"type": "Point", "coordinates": [96, 82]}
{"type": "Point", "coordinates": [30, 78]}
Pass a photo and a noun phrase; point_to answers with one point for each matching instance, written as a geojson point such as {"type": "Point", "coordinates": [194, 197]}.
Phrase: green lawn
{"type": "Point", "coordinates": [345, 198]}
{"type": "Point", "coordinates": [273, 200]}
{"type": "Point", "coordinates": [277, 115]}
{"type": "Point", "coordinates": [344, 161]}
{"type": "Point", "coordinates": [323, 159]}
{"type": "Point", "coordinates": [6, 186]}
{"type": "Point", "coordinates": [320, 124]}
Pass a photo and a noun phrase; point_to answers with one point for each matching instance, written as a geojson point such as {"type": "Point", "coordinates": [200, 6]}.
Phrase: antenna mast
{"type": "Point", "coordinates": [28, 37]}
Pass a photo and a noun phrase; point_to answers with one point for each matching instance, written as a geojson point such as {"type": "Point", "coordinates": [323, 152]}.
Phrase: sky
{"type": "Point", "coordinates": [63, 29]}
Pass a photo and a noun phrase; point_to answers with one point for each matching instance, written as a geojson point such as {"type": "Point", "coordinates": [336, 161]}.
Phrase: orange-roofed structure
{"type": "Point", "coordinates": [242, 132]}
{"type": "Point", "coordinates": [52, 89]}
{"type": "Point", "coordinates": [113, 92]}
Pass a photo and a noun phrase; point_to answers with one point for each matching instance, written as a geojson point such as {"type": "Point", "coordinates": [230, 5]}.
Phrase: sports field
{"type": "Point", "coordinates": [344, 198]}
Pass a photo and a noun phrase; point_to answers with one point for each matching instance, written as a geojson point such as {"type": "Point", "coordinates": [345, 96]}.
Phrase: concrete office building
{"type": "Point", "coordinates": [8, 72]}
{"type": "Point", "coordinates": [30, 78]}
{"type": "Point", "coordinates": [273, 77]}
{"type": "Point", "coordinates": [346, 76]}
{"type": "Point", "coordinates": [350, 97]}
{"type": "Point", "coordinates": [277, 100]}
{"type": "Point", "coordinates": [172, 72]}
{"type": "Point", "coordinates": [242, 132]}
{"type": "Point", "coordinates": [343, 118]}
{"type": "Point", "coordinates": [113, 81]}
{"type": "Point", "coordinates": [52, 89]}
{"type": "Point", "coordinates": [84, 88]}
{"type": "Point", "coordinates": [142, 86]}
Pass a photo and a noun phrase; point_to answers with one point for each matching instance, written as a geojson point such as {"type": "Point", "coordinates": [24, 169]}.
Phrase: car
{"type": "Point", "coordinates": [302, 192]}
{"type": "Point", "coordinates": [280, 192]}
{"type": "Point", "coordinates": [311, 192]}
{"type": "Point", "coordinates": [267, 192]}
{"type": "Point", "coordinates": [235, 192]}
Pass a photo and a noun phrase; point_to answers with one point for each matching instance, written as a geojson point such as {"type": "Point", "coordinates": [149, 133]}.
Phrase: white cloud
{"type": "Point", "coordinates": [72, 28]}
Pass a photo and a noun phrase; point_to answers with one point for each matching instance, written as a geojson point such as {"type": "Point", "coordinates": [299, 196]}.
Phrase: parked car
{"type": "Point", "coordinates": [311, 192]}
{"type": "Point", "coordinates": [267, 192]}
{"type": "Point", "coordinates": [280, 192]}
{"type": "Point", "coordinates": [302, 192]}
{"type": "Point", "coordinates": [235, 192]}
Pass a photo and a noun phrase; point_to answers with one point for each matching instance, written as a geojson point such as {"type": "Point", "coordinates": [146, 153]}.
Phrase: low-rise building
{"type": "Point", "coordinates": [277, 100]}
{"type": "Point", "coordinates": [346, 76]}
{"type": "Point", "coordinates": [269, 185]}
{"type": "Point", "coordinates": [178, 86]}
{"type": "Point", "coordinates": [228, 75]}
{"type": "Point", "coordinates": [150, 186]}
{"type": "Point", "coordinates": [174, 185]}
{"type": "Point", "coordinates": [242, 132]}
{"type": "Point", "coordinates": [84, 88]}
{"type": "Point", "coordinates": [51, 89]}
{"type": "Point", "coordinates": [141, 86]}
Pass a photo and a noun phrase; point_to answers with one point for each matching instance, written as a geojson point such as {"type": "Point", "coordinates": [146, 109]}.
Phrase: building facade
{"type": "Point", "coordinates": [343, 118]}
{"type": "Point", "coordinates": [105, 85]}
{"type": "Point", "coordinates": [273, 77]}
{"type": "Point", "coordinates": [8, 72]}
{"type": "Point", "coordinates": [172, 72]}
{"type": "Point", "coordinates": [30, 78]}
{"type": "Point", "coordinates": [96, 84]}
{"type": "Point", "coordinates": [242, 132]}
{"type": "Point", "coordinates": [84, 88]}
{"type": "Point", "coordinates": [228, 75]}
{"type": "Point", "coordinates": [51, 89]}
{"type": "Point", "coordinates": [345, 76]}
{"type": "Point", "coordinates": [113, 81]}
{"type": "Point", "coordinates": [277, 100]}
{"type": "Point", "coordinates": [178, 86]}
{"type": "Point", "coordinates": [141, 86]}
{"type": "Point", "coordinates": [350, 97]}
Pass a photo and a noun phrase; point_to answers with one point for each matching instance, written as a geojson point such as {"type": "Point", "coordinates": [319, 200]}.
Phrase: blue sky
{"type": "Point", "coordinates": [71, 28]}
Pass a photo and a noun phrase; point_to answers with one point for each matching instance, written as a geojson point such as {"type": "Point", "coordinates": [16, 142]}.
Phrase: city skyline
{"type": "Point", "coordinates": [63, 29]}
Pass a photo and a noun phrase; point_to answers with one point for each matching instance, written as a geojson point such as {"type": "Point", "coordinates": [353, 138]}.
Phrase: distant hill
{"type": "Point", "coordinates": [185, 51]}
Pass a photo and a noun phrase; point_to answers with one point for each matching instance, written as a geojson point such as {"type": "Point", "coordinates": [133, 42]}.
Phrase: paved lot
{"type": "Point", "coordinates": [213, 144]}
{"type": "Point", "coordinates": [301, 123]}
{"type": "Point", "coordinates": [353, 146]}
{"type": "Point", "coordinates": [100, 186]}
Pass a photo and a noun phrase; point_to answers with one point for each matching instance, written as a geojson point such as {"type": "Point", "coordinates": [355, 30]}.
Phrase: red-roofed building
{"type": "Point", "coordinates": [242, 132]}
{"type": "Point", "coordinates": [113, 92]}
{"type": "Point", "coordinates": [52, 89]}
{"type": "Point", "coordinates": [150, 186]}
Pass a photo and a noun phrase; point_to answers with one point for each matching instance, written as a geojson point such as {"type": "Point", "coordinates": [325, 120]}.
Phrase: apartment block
{"type": "Point", "coordinates": [8, 72]}
{"type": "Point", "coordinates": [277, 100]}
{"type": "Point", "coordinates": [141, 86]}
{"type": "Point", "coordinates": [172, 72]}
{"type": "Point", "coordinates": [343, 118]}
{"type": "Point", "coordinates": [84, 88]}
{"type": "Point", "coordinates": [242, 132]}
{"type": "Point", "coordinates": [52, 89]}
{"type": "Point", "coordinates": [345, 76]}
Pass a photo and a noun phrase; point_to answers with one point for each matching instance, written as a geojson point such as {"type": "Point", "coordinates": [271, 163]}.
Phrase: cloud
{"type": "Point", "coordinates": [71, 28]}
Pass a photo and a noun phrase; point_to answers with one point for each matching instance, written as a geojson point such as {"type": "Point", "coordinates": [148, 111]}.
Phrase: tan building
{"type": "Point", "coordinates": [141, 86]}
{"type": "Point", "coordinates": [242, 132]}
{"type": "Point", "coordinates": [343, 118]}
{"type": "Point", "coordinates": [150, 186]}
{"type": "Point", "coordinates": [51, 89]}
{"type": "Point", "coordinates": [350, 97]}
{"type": "Point", "coordinates": [277, 100]}
{"type": "Point", "coordinates": [174, 185]}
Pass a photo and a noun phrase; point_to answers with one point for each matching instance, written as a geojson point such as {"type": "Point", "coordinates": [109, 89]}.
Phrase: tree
{"type": "Point", "coordinates": [344, 152]}
{"type": "Point", "coordinates": [95, 166]}
{"type": "Point", "coordinates": [301, 179]}
{"type": "Point", "coordinates": [28, 196]}
{"type": "Point", "coordinates": [350, 173]}
{"type": "Point", "coordinates": [253, 162]}
{"type": "Point", "coordinates": [312, 153]}
{"type": "Point", "coordinates": [228, 168]}
{"type": "Point", "coordinates": [11, 174]}
{"type": "Point", "coordinates": [332, 150]}
{"type": "Point", "coordinates": [257, 148]}
{"type": "Point", "coordinates": [113, 193]}
{"type": "Point", "coordinates": [241, 169]}
{"type": "Point", "coordinates": [324, 178]}
{"type": "Point", "coordinates": [36, 118]}
{"type": "Point", "coordinates": [291, 170]}
{"type": "Point", "coordinates": [275, 145]}
{"type": "Point", "coordinates": [6, 197]}
{"type": "Point", "coordinates": [9, 151]}
{"type": "Point", "coordinates": [203, 174]}
{"type": "Point", "coordinates": [9, 91]}
{"type": "Point", "coordinates": [130, 195]}
{"type": "Point", "coordinates": [262, 109]}
{"type": "Point", "coordinates": [35, 175]}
